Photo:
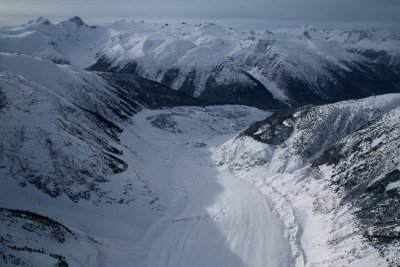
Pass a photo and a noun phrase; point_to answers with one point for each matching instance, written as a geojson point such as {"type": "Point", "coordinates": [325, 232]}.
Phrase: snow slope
{"type": "Point", "coordinates": [28, 238]}
{"type": "Point", "coordinates": [61, 126]}
{"type": "Point", "coordinates": [68, 42]}
{"type": "Point", "coordinates": [328, 171]}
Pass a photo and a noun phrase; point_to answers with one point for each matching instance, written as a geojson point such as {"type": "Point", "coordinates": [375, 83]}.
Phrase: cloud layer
{"type": "Point", "coordinates": [237, 13]}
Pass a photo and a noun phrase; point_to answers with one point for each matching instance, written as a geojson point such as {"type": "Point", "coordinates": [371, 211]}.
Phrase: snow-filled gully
{"type": "Point", "coordinates": [212, 218]}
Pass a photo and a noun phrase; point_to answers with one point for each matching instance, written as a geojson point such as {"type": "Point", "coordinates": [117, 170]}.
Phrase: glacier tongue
{"type": "Point", "coordinates": [213, 219]}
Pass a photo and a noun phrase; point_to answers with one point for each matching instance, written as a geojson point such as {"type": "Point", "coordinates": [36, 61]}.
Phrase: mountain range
{"type": "Point", "coordinates": [149, 144]}
{"type": "Point", "coordinates": [273, 69]}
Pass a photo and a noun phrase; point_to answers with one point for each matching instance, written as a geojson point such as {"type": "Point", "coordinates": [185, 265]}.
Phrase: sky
{"type": "Point", "coordinates": [242, 14]}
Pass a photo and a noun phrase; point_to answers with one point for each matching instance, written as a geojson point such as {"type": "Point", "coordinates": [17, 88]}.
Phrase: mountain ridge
{"type": "Point", "coordinates": [279, 67]}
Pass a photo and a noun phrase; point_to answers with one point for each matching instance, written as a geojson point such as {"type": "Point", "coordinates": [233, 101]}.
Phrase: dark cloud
{"type": "Point", "coordinates": [238, 13]}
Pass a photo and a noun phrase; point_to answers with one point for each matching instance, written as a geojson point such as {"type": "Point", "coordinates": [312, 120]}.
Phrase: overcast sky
{"type": "Point", "coordinates": [248, 14]}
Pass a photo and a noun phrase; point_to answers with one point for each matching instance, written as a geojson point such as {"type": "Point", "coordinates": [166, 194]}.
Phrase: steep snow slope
{"type": "Point", "coordinates": [30, 239]}
{"type": "Point", "coordinates": [364, 169]}
{"type": "Point", "coordinates": [263, 69]}
{"type": "Point", "coordinates": [48, 114]}
{"type": "Point", "coordinates": [303, 134]}
{"type": "Point", "coordinates": [51, 112]}
{"type": "Point", "coordinates": [331, 172]}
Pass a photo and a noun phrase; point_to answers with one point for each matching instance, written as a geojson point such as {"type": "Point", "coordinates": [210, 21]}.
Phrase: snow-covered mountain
{"type": "Point", "coordinates": [270, 69]}
{"type": "Point", "coordinates": [102, 163]}
{"type": "Point", "coordinates": [68, 42]}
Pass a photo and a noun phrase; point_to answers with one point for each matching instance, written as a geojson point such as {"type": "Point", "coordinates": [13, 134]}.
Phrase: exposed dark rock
{"type": "Point", "coordinates": [36, 223]}
{"type": "Point", "coordinates": [252, 93]}
{"type": "Point", "coordinates": [188, 86]}
{"type": "Point", "coordinates": [364, 165]}
{"type": "Point", "coordinates": [40, 232]}
{"type": "Point", "coordinates": [102, 64]}
{"type": "Point", "coordinates": [148, 93]}
{"type": "Point", "coordinates": [274, 130]}
{"type": "Point", "coordinates": [3, 100]}
{"type": "Point", "coordinates": [79, 22]}
{"type": "Point", "coordinates": [108, 126]}
{"type": "Point", "coordinates": [169, 76]}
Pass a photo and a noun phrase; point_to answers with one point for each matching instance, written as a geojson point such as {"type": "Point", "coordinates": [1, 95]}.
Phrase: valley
{"type": "Point", "coordinates": [148, 144]}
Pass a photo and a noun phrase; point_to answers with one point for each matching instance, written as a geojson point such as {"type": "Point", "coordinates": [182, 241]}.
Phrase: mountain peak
{"type": "Point", "coordinates": [308, 27]}
{"type": "Point", "coordinates": [40, 20]}
{"type": "Point", "coordinates": [79, 22]}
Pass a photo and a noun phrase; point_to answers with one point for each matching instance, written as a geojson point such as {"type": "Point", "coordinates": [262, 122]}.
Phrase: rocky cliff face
{"type": "Point", "coordinates": [365, 174]}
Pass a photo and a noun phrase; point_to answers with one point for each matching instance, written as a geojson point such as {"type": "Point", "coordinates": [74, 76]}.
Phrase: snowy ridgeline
{"type": "Point", "coordinates": [269, 69]}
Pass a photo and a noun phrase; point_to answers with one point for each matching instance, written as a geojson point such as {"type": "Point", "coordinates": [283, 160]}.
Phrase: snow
{"type": "Point", "coordinates": [194, 212]}
{"type": "Point", "coordinates": [307, 53]}
{"type": "Point", "coordinates": [194, 193]}
{"type": "Point", "coordinates": [304, 204]}
{"type": "Point", "coordinates": [392, 186]}
{"type": "Point", "coordinates": [223, 221]}
{"type": "Point", "coordinates": [271, 86]}
{"type": "Point", "coordinates": [68, 40]}
{"type": "Point", "coordinates": [320, 231]}
{"type": "Point", "coordinates": [378, 140]}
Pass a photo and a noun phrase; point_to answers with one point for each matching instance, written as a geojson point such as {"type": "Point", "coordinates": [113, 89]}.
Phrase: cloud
{"type": "Point", "coordinates": [287, 13]}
